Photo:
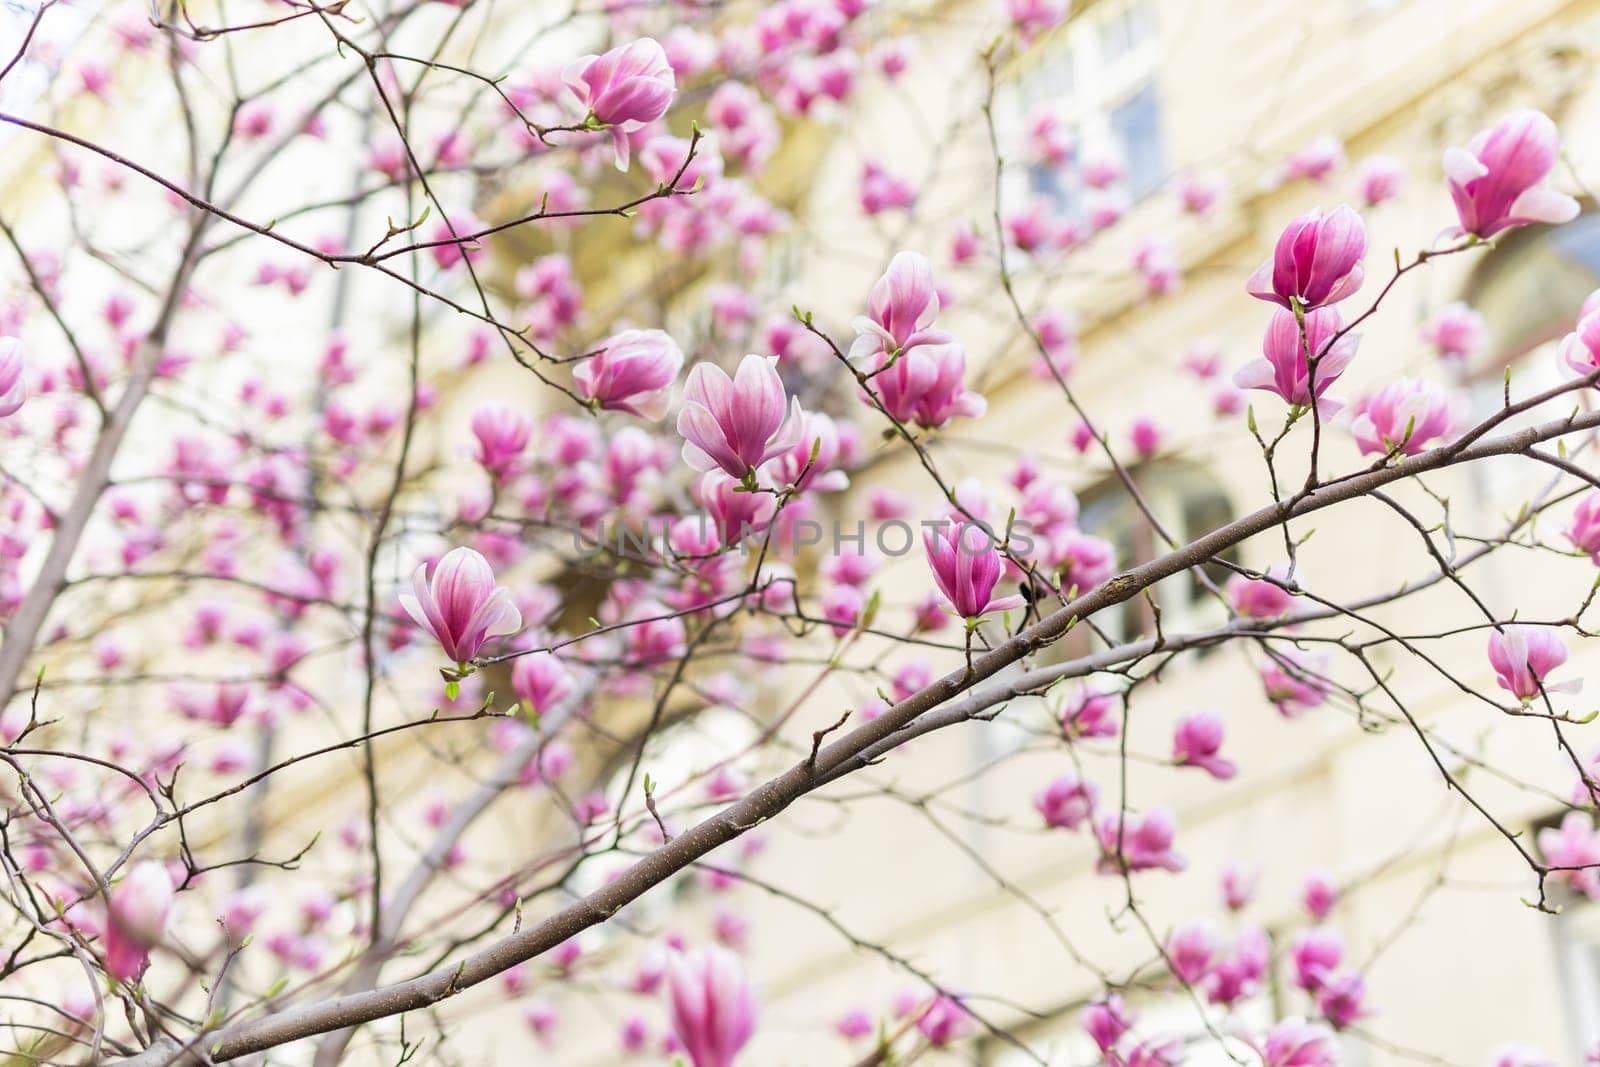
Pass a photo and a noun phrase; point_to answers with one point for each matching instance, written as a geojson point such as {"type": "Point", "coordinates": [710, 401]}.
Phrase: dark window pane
{"type": "Point", "coordinates": [1136, 124]}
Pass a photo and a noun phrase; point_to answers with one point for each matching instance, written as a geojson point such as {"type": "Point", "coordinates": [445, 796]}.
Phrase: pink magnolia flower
{"type": "Point", "coordinates": [892, 56]}
{"type": "Point", "coordinates": [1050, 139]}
{"type": "Point", "coordinates": [1033, 17]}
{"type": "Point", "coordinates": [1105, 1020]}
{"type": "Point", "coordinates": [502, 435]}
{"type": "Point", "coordinates": [1145, 435]}
{"type": "Point", "coordinates": [1523, 657]}
{"type": "Point", "coordinates": [1317, 160]}
{"type": "Point", "coordinates": [1239, 975]}
{"type": "Point", "coordinates": [1497, 180]}
{"type": "Point", "coordinates": [1574, 845]}
{"type": "Point", "coordinates": [1317, 261]}
{"type": "Point", "coordinates": [966, 565]}
{"type": "Point", "coordinates": [453, 241]}
{"type": "Point", "coordinates": [1580, 349]}
{"type": "Point", "coordinates": [1456, 332]}
{"type": "Point", "coordinates": [737, 515]}
{"type": "Point", "coordinates": [881, 191]}
{"type": "Point", "coordinates": [1319, 895]}
{"type": "Point", "coordinates": [460, 604]}
{"type": "Point", "coordinates": [1316, 954]}
{"type": "Point", "coordinates": [1090, 713]}
{"type": "Point", "coordinates": [136, 919]}
{"type": "Point", "coordinates": [1297, 1043]}
{"type": "Point", "coordinates": [1520, 1056]}
{"type": "Point", "coordinates": [1402, 417]}
{"type": "Point", "coordinates": [1584, 529]}
{"type": "Point", "coordinates": [737, 424]}
{"type": "Point", "coordinates": [965, 243]}
{"type": "Point", "coordinates": [1198, 193]}
{"type": "Point", "coordinates": [13, 389]}
{"type": "Point", "coordinates": [626, 89]}
{"type": "Point", "coordinates": [1066, 802]}
{"type": "Point", "coordinates": [541, 681]}
{"type": "Point", "coordinates": [925, 384]}
{"type": "Point", "coordinates": [1342, 999]}
{"type": "Point", "coordinates": [1283, 367]}
{"type": "Point", "coordinates": [1157, 264]}
{"type": "Point", "coordinates": [1293, 683]}
{"type": "Point", "coordinates": [842, 605]}
{"type": "Point", "coordinates": [667, 160]}
{"type": "Point", "coordinates": [853, 1025]}
{"type": "Point", "coordinates": [1192, 950]}
{"type": "Point", "coordinates": [1261, 598]}
{"type": "Point", "coordinates": [632, 372]}
{"type": "Point", "coordinates": [712, 1006]}
{"type": "Point", "coordinates": [1239, 885]}
{"type": "Point", "coordinates": [944, 1021]}
{"type": "Point", "coordinates": [1138, 842]}
{"type": "Point", "coordinates": [1380, 179]}
{"type": "Point", "coordinates": [902, 304]}
{"type": "Point", "coordinates": [811, 462]}
{"type": "Point", "coordinates": [1198, 740]}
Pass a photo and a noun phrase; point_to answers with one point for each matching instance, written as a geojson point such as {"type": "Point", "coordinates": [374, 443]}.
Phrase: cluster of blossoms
{"type": "Point", "coordinates": [769, 419]}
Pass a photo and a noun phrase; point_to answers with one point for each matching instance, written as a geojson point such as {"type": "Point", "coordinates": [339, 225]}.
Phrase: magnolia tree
{"type": "Point", "coordinates": [256, 584]}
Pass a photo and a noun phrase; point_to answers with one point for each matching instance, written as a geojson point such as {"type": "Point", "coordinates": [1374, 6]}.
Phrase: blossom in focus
{"type": "Point", "coordinates": [460, 604]}
{"type": "Point", "coordinates": [626, 89]}
{"type": "Point", "coordinates": [966, 565]}
{"type": "Point", "coordinates": [738, 423]}
{"type": "Point", "coordinates": [1523, 657]}
{"type": "Point", "coordinates": [1283, 367]}
{"type": "Point", "coordinates": [1317, 261]}
{"type": "Point", "coordinates": [1497, 180]}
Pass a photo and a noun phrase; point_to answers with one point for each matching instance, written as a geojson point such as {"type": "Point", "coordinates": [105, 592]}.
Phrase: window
{"type": "Point", "coordinates": [1187, 502]}
{"type": "Point", "coordinates": [1101, 76]}
{"type": "Point", "coordinates": [1529, 288]}
{"type": "Point", "coordinates": [1529, 291]}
